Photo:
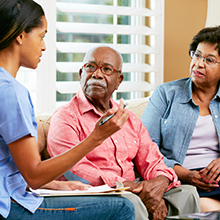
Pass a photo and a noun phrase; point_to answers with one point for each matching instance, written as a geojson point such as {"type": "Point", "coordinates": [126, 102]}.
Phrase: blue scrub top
{"type": "Point", "coordinates": [17, 120]}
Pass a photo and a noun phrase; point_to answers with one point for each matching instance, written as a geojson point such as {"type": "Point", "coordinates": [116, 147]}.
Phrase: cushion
{"type": "Point", "coordinates": [137, 106]}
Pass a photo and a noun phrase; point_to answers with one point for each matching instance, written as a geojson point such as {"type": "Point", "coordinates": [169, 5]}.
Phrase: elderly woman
{"type": "Point", "coordinates": [183, 118]}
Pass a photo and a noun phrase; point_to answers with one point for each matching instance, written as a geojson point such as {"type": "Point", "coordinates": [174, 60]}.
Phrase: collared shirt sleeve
{"type": "Point", "coordinates": [65, 133]}
{"type": "Point", "coordinates": [150, 162]}
{"type": "Point", "coordinates": [170, 117]}
{"type": "Point", "coordinates": [154, 117]}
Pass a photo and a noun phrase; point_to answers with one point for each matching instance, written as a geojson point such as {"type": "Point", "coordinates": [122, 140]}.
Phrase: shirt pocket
{"type": "Point", "coordinates": [169, 132]}
{"type": "Point", "coordinates": [132, 146]}
{"type": "Point", "coordinates": [15, 182]}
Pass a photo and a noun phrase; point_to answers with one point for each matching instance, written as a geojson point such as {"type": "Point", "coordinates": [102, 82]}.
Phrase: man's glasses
{"type": "Point", "coordinates": [208, 60]}
{"type": "Point", "coordinates": [92, 67]}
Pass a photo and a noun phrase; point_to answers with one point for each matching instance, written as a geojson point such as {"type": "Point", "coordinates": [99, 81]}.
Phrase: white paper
{"type": "Point", "coordinates": [95, 189]}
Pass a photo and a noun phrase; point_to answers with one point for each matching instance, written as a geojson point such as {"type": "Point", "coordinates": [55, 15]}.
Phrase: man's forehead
{"type": "Point", "coordinates": [104, 55]}
{"type": "Point", "coordinates": [100, 53]}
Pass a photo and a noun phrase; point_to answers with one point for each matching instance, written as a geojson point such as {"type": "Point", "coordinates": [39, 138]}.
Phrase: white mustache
{"type": "Point", "coordinates": [96, 81]}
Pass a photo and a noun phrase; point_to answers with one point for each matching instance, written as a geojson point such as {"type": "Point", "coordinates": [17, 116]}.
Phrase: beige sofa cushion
{"type": "Point", "coordinates": [137, 106]}
{"type": "Point", "coordinates": [42, 132]}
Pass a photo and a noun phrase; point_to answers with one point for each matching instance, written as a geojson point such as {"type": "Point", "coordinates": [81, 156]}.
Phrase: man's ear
{"type": "Point", "coordinates": [120, 79]}
{"type": "Point", "coordinates": [80, 72]}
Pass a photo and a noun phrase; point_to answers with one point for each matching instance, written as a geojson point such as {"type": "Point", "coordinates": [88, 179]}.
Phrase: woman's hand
{"type": "Point", "coordinates": [38, 173]}
{"type": "Point", "coordinates": [196, 179]}
{"type": "Point", "coordinates": [210, 174]}
{"type": "Point", "coordinates": [66, 185]}
{"type": "Point", "coordinates": [112, 125]}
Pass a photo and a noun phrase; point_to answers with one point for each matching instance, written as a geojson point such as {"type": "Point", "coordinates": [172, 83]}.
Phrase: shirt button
{"type": "Point", "coordinates": [115, 141]}
{"type": "Point", "coordinates": [119, 161]}
{"type": "Point", "coordinates": [135, 142]}
{"type": "Point", "coordinates": [165, 122]}
{"type": "Point", "coordinates": [216, 116]}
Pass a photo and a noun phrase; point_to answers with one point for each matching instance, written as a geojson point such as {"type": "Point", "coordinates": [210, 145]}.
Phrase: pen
{"type": "Point", "coordinates": [109, 117]}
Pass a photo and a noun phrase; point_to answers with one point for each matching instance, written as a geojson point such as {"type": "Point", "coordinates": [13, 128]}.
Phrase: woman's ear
{"type": "Point", "coordinates": [20, 38]}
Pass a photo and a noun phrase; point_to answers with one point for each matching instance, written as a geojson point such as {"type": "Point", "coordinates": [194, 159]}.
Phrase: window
{"type": "Point", "coordinates": [133, 27]}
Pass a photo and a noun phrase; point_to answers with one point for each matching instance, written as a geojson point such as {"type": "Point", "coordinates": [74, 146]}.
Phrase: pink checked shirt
{"type": "Point", "coordinates": [114, 159]}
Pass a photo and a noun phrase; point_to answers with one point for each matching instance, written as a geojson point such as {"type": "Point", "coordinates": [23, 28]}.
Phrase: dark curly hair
{"type": "Point", "coordinates": [209, 35]}
{"type": "Point", "coordinates": [17, 16]}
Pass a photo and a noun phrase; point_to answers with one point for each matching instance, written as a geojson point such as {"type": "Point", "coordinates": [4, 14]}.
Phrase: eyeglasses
{"type": "Point", "coordinates": [92, 67]}
{"type": "Point", "coordinates": [208, 60]}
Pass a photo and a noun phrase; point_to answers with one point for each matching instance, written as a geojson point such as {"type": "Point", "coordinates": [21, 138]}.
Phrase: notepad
{"type": "Point", "coordinates": [96, 190]}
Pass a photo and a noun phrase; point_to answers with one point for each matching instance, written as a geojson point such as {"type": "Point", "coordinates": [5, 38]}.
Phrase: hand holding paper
{"type": "Point", "coordinates": [97, 190]}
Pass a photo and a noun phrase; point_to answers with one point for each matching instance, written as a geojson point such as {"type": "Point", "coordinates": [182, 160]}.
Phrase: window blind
{"type": "Point", "coordinates": [133, 27]}
{"type": "Point", "coordinates": [121, 25]}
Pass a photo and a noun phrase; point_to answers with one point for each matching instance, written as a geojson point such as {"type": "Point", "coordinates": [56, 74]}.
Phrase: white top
{"type": "Point", "coordinates": [203, 147]}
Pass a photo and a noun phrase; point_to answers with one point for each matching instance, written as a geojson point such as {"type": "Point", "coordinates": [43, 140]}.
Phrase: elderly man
{"type": "Point", "coordinates": [129, 148]}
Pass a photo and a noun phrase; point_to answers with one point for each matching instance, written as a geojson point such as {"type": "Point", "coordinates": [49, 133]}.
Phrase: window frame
{"type": "Point", "coordinates": [46, 84]}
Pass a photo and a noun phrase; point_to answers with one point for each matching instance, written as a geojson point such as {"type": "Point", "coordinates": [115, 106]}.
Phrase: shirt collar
{"type": "Point", "coordinates": [218, 92]}
{"type": "Point", "coordinates": [85, 105]}
{"type": "Point", "coordinates": [187, 90]}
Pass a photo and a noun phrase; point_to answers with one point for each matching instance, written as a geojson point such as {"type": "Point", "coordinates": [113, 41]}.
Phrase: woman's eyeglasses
{"type": "Point", "coordinates": [208, 60]}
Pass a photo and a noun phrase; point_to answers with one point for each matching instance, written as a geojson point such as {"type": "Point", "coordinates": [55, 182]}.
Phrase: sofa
{"type": "Point", "coordinates": [137, 106]}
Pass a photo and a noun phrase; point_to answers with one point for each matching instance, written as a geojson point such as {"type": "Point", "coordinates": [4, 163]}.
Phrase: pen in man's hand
{"type": "Point", "coordinates": [108, 117]}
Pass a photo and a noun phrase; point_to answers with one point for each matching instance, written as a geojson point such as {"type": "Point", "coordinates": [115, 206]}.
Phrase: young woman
{"type": "Point", "coordinates": [22, 30]}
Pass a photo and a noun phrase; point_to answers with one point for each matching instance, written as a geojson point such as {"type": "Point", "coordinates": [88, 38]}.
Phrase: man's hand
{"type": "Point", "coordinates": [151, 193]}
{"type": "Point", "coordinates": [132, 186]}
{"type": "Point", "coordinates": [160, 212]}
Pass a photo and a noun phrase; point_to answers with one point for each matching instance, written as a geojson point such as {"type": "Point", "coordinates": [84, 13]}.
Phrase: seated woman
{"type": "Point", "coordinates": [183, 118]}
{"type": "Point", "coordinates": [22, 30]}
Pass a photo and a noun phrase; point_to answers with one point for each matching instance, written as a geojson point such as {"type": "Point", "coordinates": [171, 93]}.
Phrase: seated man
{"type": "Point", "coordinates": [129, 148]}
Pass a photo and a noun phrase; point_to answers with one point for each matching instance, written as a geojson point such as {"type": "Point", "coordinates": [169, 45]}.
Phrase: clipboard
{"type": "Point", "coordinates": [96, 190]}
